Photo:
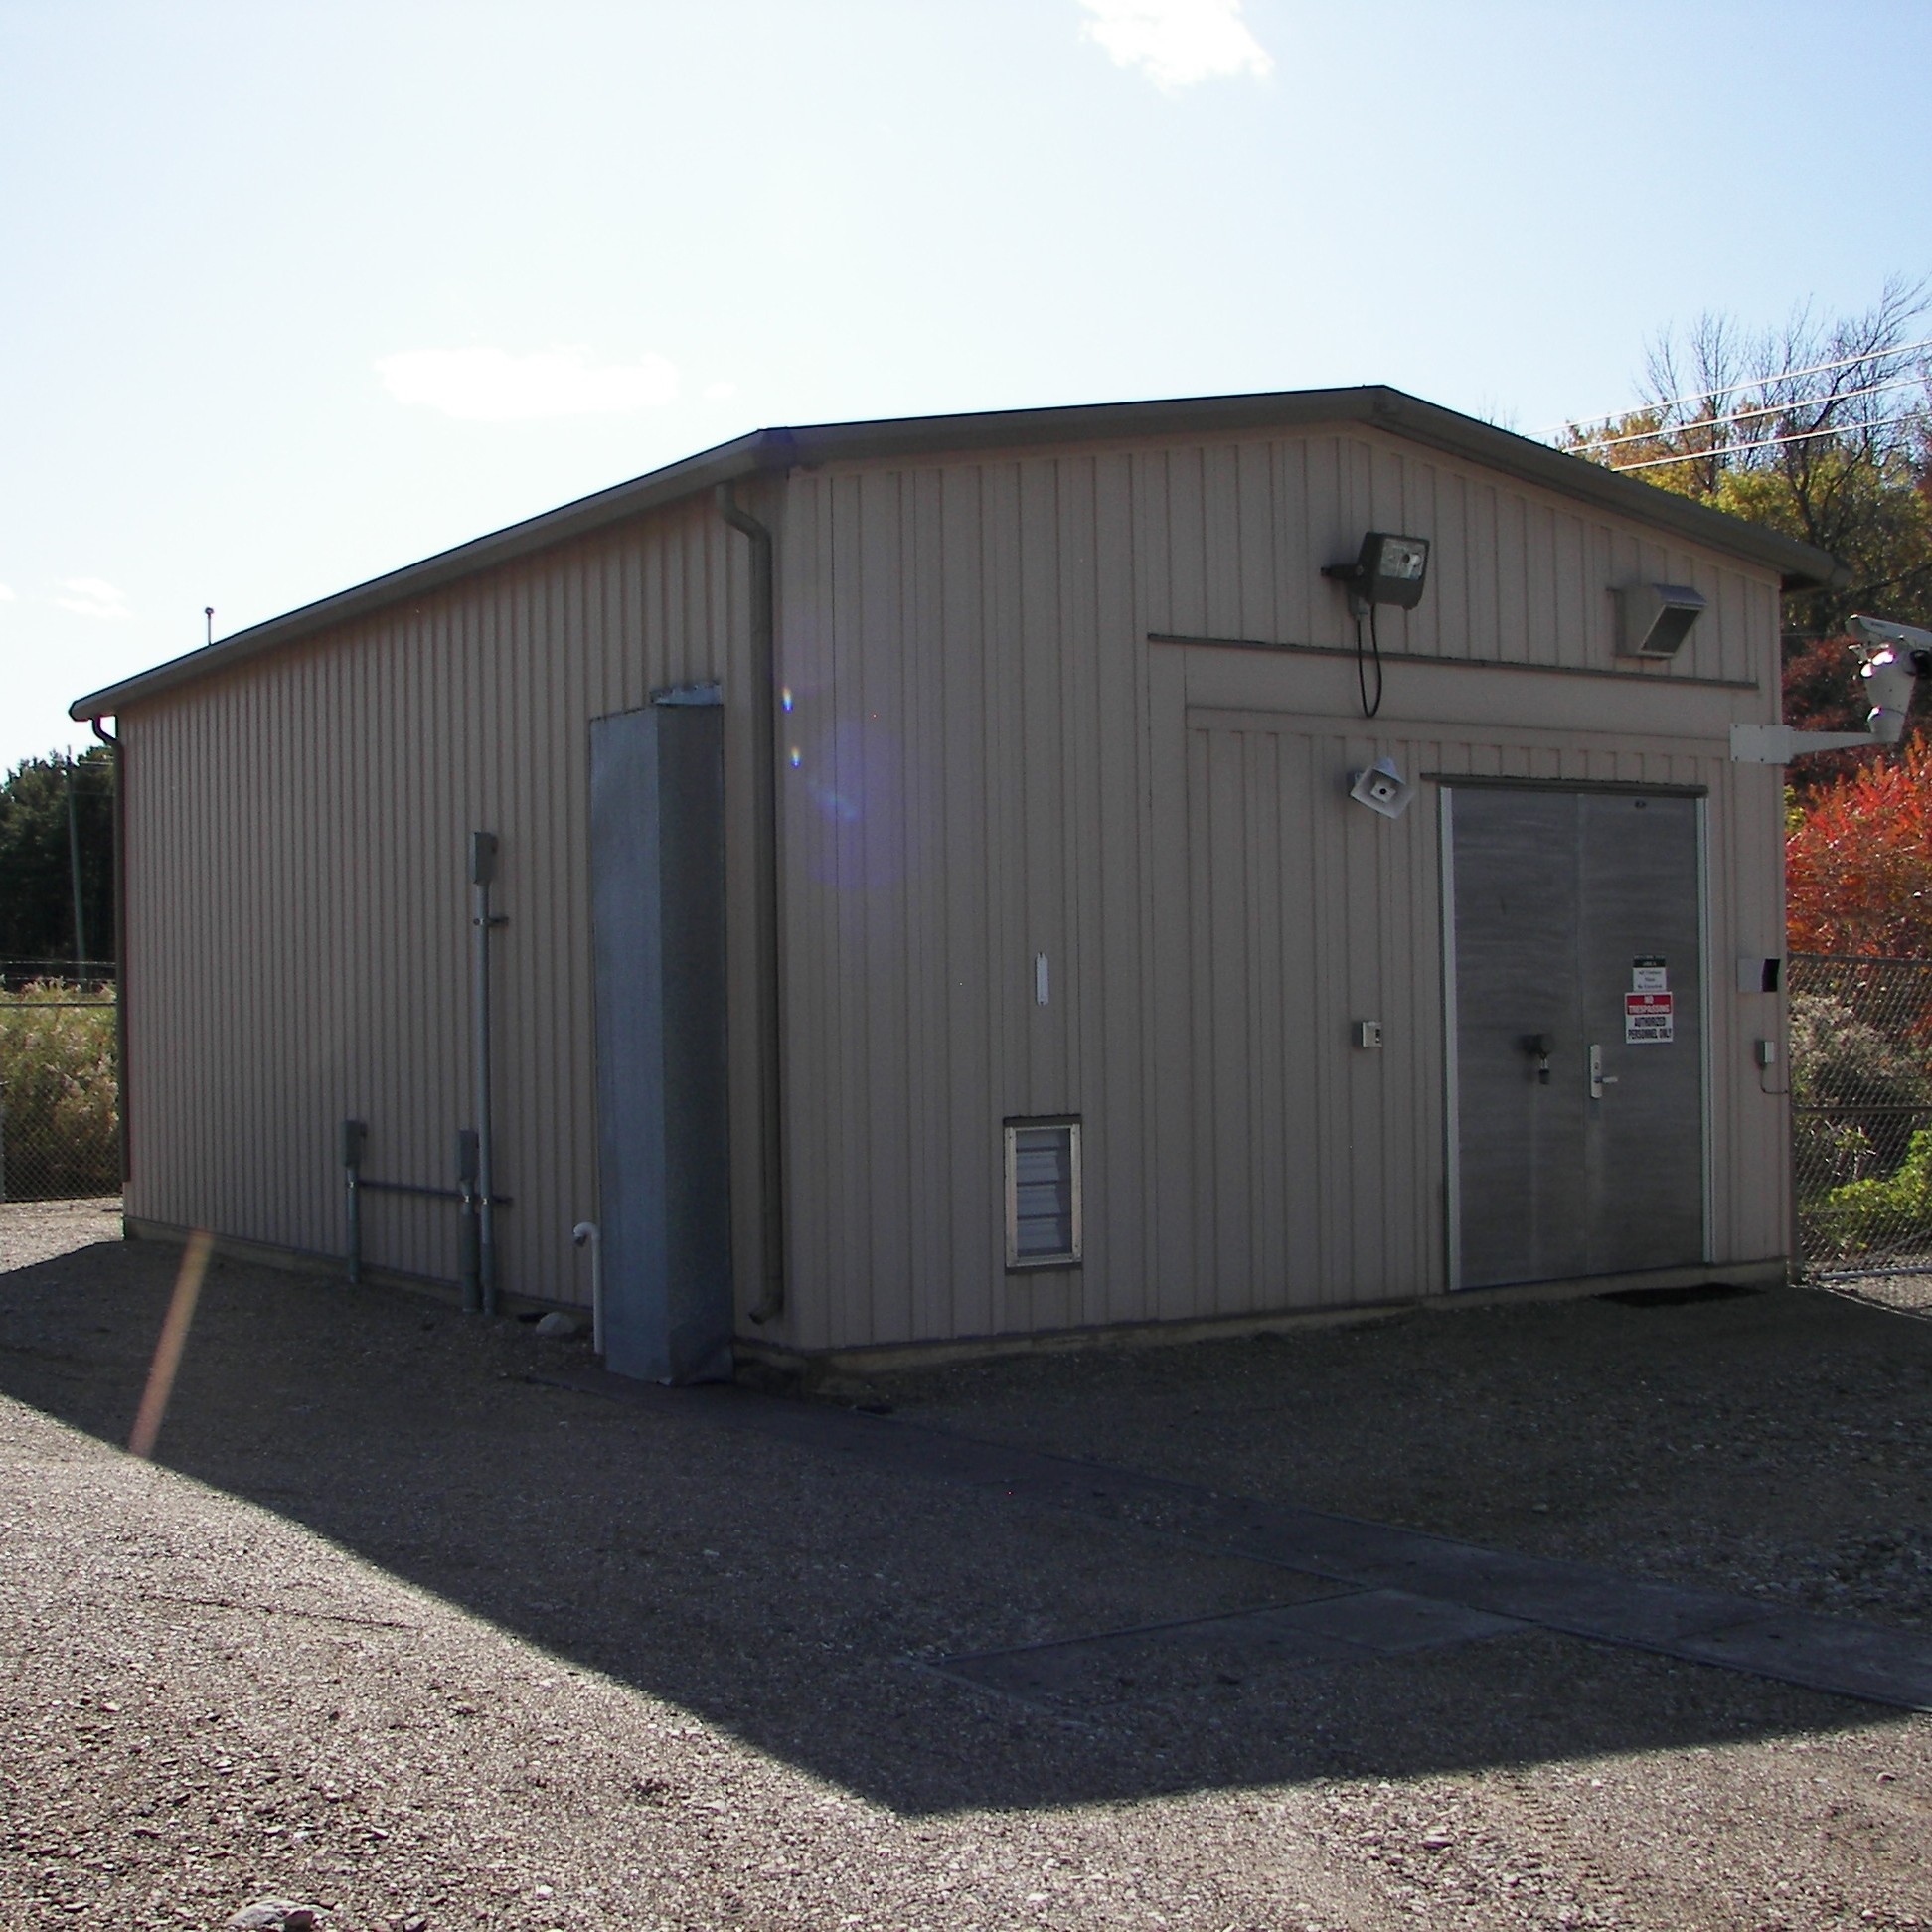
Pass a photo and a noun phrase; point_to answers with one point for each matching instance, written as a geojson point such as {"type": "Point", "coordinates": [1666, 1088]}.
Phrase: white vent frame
{"type": "Point", "coordinates": [1070, 1256]}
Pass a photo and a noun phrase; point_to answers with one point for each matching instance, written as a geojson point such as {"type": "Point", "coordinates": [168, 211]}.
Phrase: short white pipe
{"type": "Point", "coordinates": [587, 1231]}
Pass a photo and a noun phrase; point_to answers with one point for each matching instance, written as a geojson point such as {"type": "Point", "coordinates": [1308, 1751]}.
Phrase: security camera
{"type": "Point", "coordinates": [1892, 658]}
{"type": "Point", "coordinates": [1895, 656]}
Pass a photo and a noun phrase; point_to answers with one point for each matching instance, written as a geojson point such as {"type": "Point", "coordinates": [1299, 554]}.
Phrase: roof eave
{"type": "Point", "coordinates": [1799, 566]}
{"type": "Point", "coordinates": [727, 462]}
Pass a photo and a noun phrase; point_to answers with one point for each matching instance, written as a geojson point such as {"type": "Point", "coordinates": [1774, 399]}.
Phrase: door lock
{"type": "Point", "coordinates": [1599, 1080]}
{"type": "Point", "coordinates": [1537, 1046]}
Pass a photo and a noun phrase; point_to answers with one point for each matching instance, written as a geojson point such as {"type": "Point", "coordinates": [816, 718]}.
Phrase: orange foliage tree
{"type": "Point", "coordinates": [1859, 858]}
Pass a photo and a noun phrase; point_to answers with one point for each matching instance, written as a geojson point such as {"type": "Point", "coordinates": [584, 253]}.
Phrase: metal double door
{"type": "Point", "coordinates": [1577, 992]}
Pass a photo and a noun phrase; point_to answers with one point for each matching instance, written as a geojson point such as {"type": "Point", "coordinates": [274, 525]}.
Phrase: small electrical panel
{"type": "Point", "coordinates": [1766, 1052]}
{"type": "Point", "coordinates": [1366, 1033]}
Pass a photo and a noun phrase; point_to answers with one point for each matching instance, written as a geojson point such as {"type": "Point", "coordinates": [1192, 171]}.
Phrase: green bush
{"type": "Point", "coordinates": [60, 1094]}
{"type": "Point", "coordinates": [1870, 1078]}
{"type": "Point", "coordinates": [1882, 1212]}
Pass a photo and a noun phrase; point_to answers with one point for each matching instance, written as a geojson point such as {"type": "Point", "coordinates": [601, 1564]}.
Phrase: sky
{"type": "Point", "coordinates": [293, 294]}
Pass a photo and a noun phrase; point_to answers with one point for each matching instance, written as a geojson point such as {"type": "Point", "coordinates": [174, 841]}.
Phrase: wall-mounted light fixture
{"type": "Point", "coordinates": [1654, 619]}
{"type": "Point", "coordinates": [1387, 570]}
{"type": "Point", "coordinates": [1382, 788]}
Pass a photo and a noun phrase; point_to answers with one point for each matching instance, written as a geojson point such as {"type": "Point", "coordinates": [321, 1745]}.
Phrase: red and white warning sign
{"type": "Point", "coordinates": [1647, 1018]}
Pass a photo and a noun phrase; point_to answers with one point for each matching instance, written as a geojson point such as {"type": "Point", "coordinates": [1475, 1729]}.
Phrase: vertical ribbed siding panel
{"type": "Point", "coordinates": [963, 677]}
{"type": "Point", "coordinates": [1047, 1299]}
{"type": "Point", "coordinates": [810, 980]}
{"type": "Point", "coordinates": [1320, 1166]}
{"type": "Point", "coordinates": [1124, 1038]}
{"type": "Point", "coordinates": [299, 906]}
{"type": "Point", "coordinates": [1091, 1085]}
{"type": "Point", "coordinates": [1010, 939]}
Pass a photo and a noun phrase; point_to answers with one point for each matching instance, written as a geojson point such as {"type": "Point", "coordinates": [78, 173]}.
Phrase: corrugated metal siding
{"type": "Point", "coordinates": [298, 919]}
{"type": "Point", "coordinates": [984, 759]}
{"type": "Point", "coordinates": [1236, 534]}
{"type": "Point", "coordinates": [992, 761]}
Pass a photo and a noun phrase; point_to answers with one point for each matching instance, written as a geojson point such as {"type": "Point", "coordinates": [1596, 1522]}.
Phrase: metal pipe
{"type": "Point", "coordinates": [770, 933]}
{"type": "Point", "coordinates": [582, 1233]}
{"type": "Point", "coordinates": [355, 1137]}
{"type": "Point", "coordinates": [74, 872]}
{"type": "Point", "coordinates": [123, 1132]}
{"type": "Point", "coordinates": [483, 857]}
{"type": "Point", "coordinates": [467, 1264]}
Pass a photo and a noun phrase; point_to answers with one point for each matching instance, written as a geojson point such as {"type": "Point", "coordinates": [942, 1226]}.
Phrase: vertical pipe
{"type": "Point", "coordinates": [582, 1233]}
{"type": "Point", "coordinates": [467, 1263]}
{"type": "Point", "coordinates": [764, 716]}
{"type": "Point", "coordinates": [354, 1134]}
{"type": "Point", "coordinates": [120, 775]}
{"type": "Point", "coordinates": [74, 872]}
{"type": "Point", "coordinates": [483, 855]}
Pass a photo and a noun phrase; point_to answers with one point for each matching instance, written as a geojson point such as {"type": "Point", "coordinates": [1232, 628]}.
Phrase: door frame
{"type": "Point", "coordinates": [1446, 784]}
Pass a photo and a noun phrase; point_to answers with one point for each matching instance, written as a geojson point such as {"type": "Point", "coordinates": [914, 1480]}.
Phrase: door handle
{"type": "Point", "coordinates": [1599, 1080]}
{"type": "Point", "coordinates": [1537, 1047]}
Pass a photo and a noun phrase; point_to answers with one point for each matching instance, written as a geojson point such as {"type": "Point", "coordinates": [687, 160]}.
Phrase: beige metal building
{"type": "Point", "coordinates": [1051, 948]}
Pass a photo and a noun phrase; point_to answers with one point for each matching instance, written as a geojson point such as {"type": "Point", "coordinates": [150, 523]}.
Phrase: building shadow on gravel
{"type": "Point", "coordinates": [798, 1599]}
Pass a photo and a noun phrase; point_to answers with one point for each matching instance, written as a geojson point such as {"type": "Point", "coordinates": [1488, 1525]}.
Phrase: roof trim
{"type": "Point", "coordinates": [1798, 565]}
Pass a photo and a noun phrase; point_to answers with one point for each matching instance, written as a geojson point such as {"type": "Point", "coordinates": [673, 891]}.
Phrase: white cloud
{"type": "Point", "coordinates": [1176, 43]}
{"type": "Point", "coordinates": [483, 385]}
{"type": "Point", "coordinates": [90, 598]}
{"type": "Point", "coordinates": [718, 391]}
{"type": "Point", "coordinates": [6, 593]}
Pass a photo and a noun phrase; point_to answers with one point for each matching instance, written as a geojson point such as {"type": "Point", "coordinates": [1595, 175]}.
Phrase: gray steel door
{"type": "Point", "coordinates": [1578, 1023]}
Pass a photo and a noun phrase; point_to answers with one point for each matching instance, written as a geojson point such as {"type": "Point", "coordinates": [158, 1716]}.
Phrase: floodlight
{"type": "Point", "coordinates": [1387, 570]}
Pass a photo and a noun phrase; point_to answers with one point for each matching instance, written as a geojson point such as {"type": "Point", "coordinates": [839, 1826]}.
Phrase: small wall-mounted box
{"type": "Point", "coordinates": [1365, 1033]}
{"type": "Point", "coordinates": [1654, 619]}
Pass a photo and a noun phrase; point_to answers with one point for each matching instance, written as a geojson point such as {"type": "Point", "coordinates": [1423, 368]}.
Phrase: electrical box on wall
{"type": "Point", "coordinates": [1366, 1033]}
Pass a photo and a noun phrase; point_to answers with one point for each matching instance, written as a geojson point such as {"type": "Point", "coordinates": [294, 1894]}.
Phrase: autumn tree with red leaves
{"type": "Point", "coordinates": [1859, 860]}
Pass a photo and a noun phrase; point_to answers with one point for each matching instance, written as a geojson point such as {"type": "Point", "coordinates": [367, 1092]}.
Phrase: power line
{"type": "Point", "coordinates": [1772, 442]}
{"type": "Point", "coordinates": [1746, 416]}
{"type": "Point", "coordinates": [1731, 389]}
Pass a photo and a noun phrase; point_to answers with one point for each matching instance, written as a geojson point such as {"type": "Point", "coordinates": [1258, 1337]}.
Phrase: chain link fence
{"type": "Point", "coordinates": [60, 1082]}
{"type": "Point", "coordinates": [1862, 1113]}
{"type": "Point", "coordinates": [1860, 1090]}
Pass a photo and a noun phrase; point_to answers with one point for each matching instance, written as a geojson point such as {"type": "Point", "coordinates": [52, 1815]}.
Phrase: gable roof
{"type": "Point", "coordinates": [766, 451]}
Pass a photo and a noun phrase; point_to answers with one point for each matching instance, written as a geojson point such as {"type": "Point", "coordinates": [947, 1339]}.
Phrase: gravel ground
{"type": "Point", "coordinates": [393, 1630]}
{"type": "Point", "coordinates": [1774, 1443]}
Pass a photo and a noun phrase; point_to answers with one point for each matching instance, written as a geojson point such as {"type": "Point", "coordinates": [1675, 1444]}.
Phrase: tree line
{"type": "Point", "coordinates": [1821, 429]}
{"type": "Point", "coordinates": [53, 811]}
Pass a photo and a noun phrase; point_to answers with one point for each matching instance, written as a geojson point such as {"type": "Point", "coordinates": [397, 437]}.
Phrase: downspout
{"type": "Point", "coordinates": [764, 730]}
{"type": "Point", "coordinates": [113, 744]}
{"type": "Point", "coordinates": [483, 863]}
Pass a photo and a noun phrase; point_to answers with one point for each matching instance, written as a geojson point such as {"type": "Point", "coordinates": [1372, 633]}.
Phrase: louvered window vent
{"type": "Point", "coordinates": [1043, 1194]}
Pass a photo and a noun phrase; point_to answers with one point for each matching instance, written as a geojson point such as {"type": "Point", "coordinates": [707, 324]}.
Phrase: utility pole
{"type": "Point", "coordinates": [74, 869]}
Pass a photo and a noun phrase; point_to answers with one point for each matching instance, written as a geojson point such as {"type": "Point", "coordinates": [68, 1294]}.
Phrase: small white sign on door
{"type": "Point", "coordinates": [1647, 1018]}
{"type": "Point", "coordinates": [1648, 976]}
